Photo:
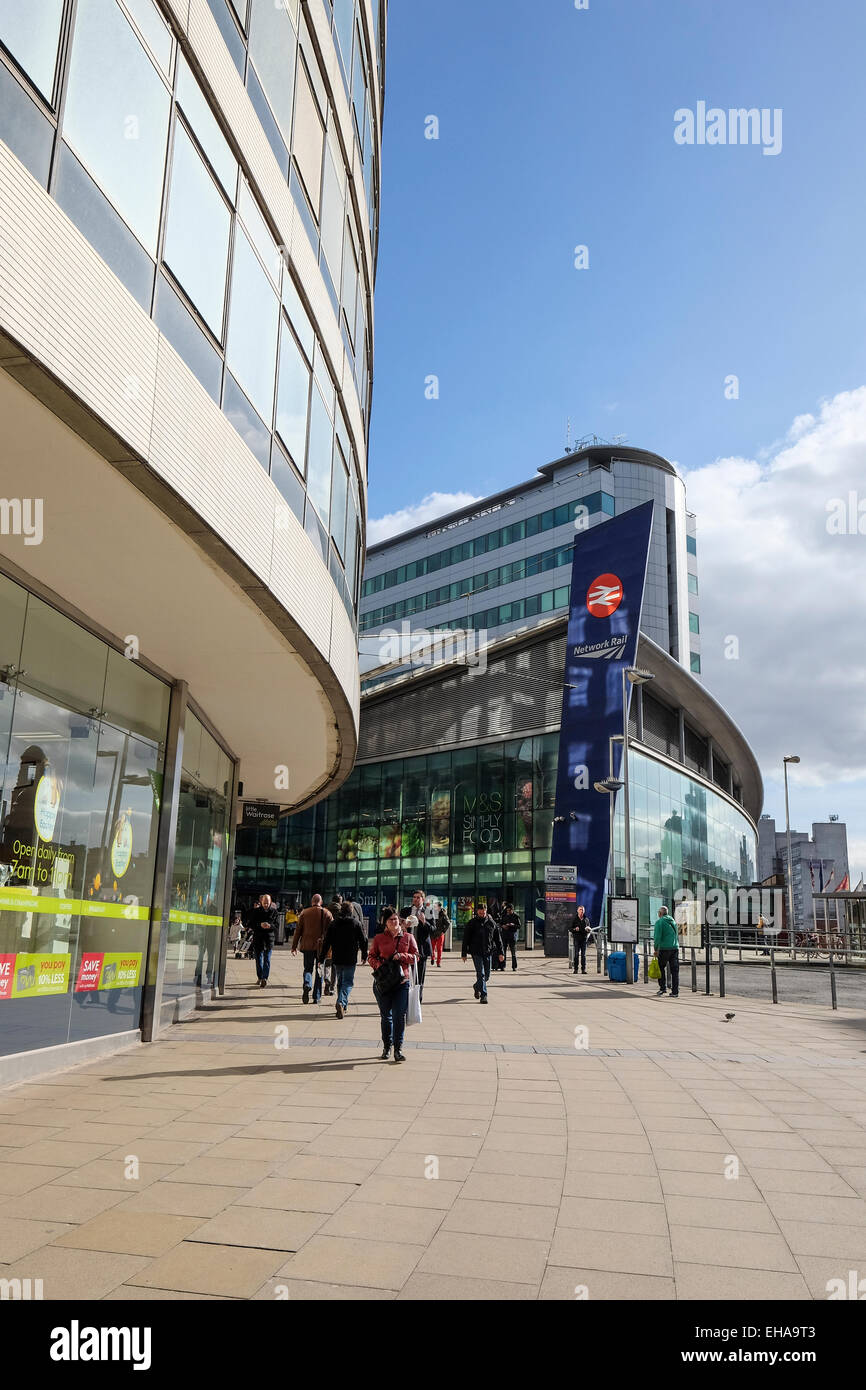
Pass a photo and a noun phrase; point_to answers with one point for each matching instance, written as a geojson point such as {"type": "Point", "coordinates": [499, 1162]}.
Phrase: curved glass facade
{"type": "Point", "coordinates": [98, 100]}
{"type": "Point", "coordinates": [475, 824]}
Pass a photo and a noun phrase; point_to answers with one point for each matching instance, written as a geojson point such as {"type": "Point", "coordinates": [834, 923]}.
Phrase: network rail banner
{"type": "Point", "coordinates": [607, 587]}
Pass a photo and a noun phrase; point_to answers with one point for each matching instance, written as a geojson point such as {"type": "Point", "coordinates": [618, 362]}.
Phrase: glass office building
{"type": "Point", "coordinates": [189, 195]}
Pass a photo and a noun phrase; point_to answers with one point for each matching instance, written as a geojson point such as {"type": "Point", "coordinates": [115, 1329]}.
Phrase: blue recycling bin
{"type": "Point", "coordinates": [616, 967]}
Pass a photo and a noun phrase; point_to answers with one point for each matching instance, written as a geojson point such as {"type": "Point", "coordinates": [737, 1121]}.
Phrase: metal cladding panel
{"type": "Point", "coordinates": [607, 587]}
{"type": "Point", "coordinates": [520, 691]}
{"type": "Point", "coordinates": [196, 449]}
{"type": "Point", "coordinates": [60, 301]}
{"type": "Point", "coordinates": [343, 655]}
{"type": "Point", "coordinates": [661, 729]}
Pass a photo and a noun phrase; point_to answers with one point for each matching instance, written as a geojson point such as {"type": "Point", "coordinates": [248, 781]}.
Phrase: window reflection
{"type": "Point", "coordinates": [31, 33]}
{"type": "Point", "coordinates": [116, 115]}
{"type": "Point", "coordinates": [251, 350]}
{"type": "Point", "coordinates": [197, 232]}
{"type": "Point", "coordinates": [293, 397]}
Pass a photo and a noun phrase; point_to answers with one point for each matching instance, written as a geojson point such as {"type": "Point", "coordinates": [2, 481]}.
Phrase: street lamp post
{"type": "Point", "coordinates": [634, 676]}
{"type": "Point", "coordinates": [792, 758]}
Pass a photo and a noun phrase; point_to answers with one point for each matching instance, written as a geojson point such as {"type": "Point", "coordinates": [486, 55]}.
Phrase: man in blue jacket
{"type": "Point", "coordinates": [667, 948]}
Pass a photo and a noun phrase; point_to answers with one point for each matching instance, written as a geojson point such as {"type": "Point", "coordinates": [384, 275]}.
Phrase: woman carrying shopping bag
{"type": "Point", "coordinates": [392, 953]}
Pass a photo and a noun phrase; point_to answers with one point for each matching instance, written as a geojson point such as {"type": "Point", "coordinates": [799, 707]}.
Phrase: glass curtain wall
{"type": "Point", "coordinates": [475, 825]}
{"type": "Point", "coordinates": [81, 766]}
{"type": "Point", "coordinates": [200, 858]}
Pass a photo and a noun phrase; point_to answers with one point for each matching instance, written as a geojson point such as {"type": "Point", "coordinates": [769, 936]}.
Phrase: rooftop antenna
{"type": "Point", "coordinates": [568, 437]}
{"type": "Point", "coordinates": [620, 439]}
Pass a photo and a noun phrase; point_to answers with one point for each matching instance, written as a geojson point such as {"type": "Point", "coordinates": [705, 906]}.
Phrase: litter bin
{"type": "Point", "coordinates": [616, 967]}
{"type": "Point", "coordinates": [280, 936]}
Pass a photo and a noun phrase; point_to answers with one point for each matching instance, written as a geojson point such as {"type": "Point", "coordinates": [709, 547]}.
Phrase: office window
{"type": "Point", "coordinates": [691, 545]}
{"type": "Point", "coordinates": [116, 116]}
{"type": "Point", "coordinates": [30, 29]}
{"type": "Point", "coordinates": [273, 49]}
{"type": "Point", "coordinates": [251, 349]}
{"type": "Point", "coordinates": [106, 231]}
{"type": "Point", "coordinates": [694, 622]}
{"type": "Point", "coordinates": [344, 19]}
{"type": "Point", "coordinates": [229, 30]}
{"type": "Point", "coordinates": [205, 127]}
{"type": "Point", "coordinates": [293, 394]}
{"type": "Point", "coordinates": [24, 128]}
{"type": "Point", "coordinates": [197, 232]}
{"type": "Point", "coordinates": [333, 211]}
{"type": "Point", "coordinates": [339, 497]}
{"type": "Point", "coordinates": [180, 328]}
{"type": "Point", "coordinates": [153, 30]}
{"type": "Point", "coordinates": [319, 456]}
{"type": "Point", "coordinates": [696, 663]}
{"type": "Point", "coordinates": [309, 138]}
{"type": "Point", "coordinates": [693, 583]}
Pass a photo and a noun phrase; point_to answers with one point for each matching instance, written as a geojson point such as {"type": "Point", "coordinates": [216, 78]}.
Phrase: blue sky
{"type": "Point", "coordinates": [557, 129]}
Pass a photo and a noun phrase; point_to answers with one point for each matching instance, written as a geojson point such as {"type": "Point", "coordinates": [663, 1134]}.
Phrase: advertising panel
{"type": "Point", "coordinates": [607, 587]}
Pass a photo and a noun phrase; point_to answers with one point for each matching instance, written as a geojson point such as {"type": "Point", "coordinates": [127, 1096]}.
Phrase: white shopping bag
{"type": "Point", "coordinates": [413, 1013]}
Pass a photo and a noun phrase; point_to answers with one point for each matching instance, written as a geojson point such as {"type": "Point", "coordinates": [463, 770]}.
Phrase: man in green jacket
{"type": "Point", "coordinates": [667, 948]}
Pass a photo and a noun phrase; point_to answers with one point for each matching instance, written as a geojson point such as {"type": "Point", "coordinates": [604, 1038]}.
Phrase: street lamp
{"type": "Point", "coordinates": [635, 676]}
{"type": "Point", "coordinates": [791, 758]}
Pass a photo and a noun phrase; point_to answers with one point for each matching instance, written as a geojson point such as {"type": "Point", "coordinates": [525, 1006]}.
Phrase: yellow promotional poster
{"type": "Point", "coordinates": [46, 972]}
{"type": "Point", "coordinates": [121, 847]}
{"type": "Point", "coordinates": [46, 806]}
{"type": "Point", "coordinates": [120, 969]}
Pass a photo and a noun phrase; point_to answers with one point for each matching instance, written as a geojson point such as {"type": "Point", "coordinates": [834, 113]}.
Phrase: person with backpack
{"type": "Point", "coordinates": [263, 921]}
{"type": "Point", "coordinates": [344, 938]}
{"type": "Point", "coordinates": [482, 940]}
{"type": "Point", "coordinates": [437, 937]}
{"type": "Point", "coordinates": [391, 954]}
{"type": "Point", "coordinates": [509, 927]}
{"type": "Point", "coordinates": [309, 933]}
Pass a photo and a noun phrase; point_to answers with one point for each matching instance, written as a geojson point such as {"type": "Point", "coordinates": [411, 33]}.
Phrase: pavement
{"type": "Point", "coordinates": [573, 1139]}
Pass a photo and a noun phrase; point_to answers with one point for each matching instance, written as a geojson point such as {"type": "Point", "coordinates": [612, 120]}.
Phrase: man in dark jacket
{"type": "Point", "coordinates": [263, 920]}
{"type": "Point", "coordinates": [580, 930]}
{"type": "Point", "coordinates": [344, 939]}
{"type": "Point", "coordinates": [482, 940]}
{"type": "Point", "coordinates": [509, 927]}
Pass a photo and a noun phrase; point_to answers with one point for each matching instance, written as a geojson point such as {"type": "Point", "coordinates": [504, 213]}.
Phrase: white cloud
{"type": "Point", "coordinates": [792, 593]}
{"type": "Point", "coordinates": [434, 505]}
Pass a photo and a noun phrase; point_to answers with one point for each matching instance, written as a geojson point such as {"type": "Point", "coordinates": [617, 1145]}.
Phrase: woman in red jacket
{"type": "Point", "coordinates": [397, 944]}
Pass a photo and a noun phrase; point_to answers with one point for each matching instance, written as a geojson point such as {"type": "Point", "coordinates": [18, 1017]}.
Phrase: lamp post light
{"type": "Point", "coordinates": [791, 758]}
{"type": "Point", "coordinates": [634, 676]}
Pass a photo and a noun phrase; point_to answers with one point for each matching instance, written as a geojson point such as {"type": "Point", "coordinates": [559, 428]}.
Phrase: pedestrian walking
{"type": "Point", "coordinates": [481, 941]}
{"type": "Point", "coordinates": [424, 915]}
{"type": "Point", "coordinates": [309, 933]}
{"type": "Point", "coordinates": [344, 938]}
{"type": "Point", "coordinates": [392, 952]}
{"type": "Point", "coordinates": [263, 921]}
{"type": "Point", "coordinates": [509, 928]}
{"type": "Point", "coordinates": [437, 936]}
{"type": "Point", "coordinates": [580, 933]}
{"type": "Point", "coordinates": [666, 945]}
